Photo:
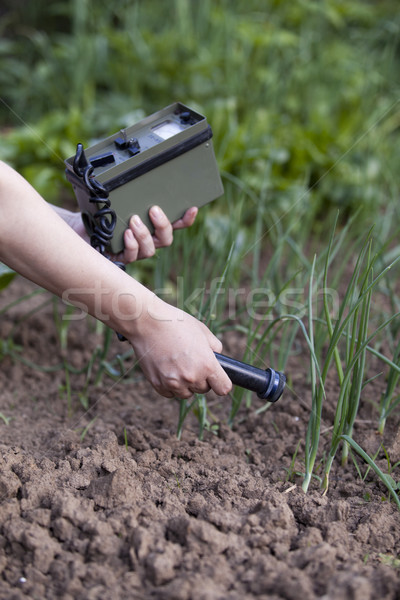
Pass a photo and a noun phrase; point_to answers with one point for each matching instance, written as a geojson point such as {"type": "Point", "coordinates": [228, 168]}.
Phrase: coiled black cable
{"type": "Point", "coordinates": [105, 219]}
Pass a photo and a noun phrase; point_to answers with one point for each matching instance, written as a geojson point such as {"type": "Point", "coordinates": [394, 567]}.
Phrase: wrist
{"type": "Point", "coordinates": [131, 311]}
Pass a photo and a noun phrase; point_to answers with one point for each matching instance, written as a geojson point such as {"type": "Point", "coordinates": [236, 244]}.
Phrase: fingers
{"type": "Point", "coordinates": [163, 233]}
{"type": "Point", "coordinates": [186, 392]}
{"type": "Point", "coordinates": [187, 219]}
{"type": "Point", "coordinates": [219, 381]}
{"type": "Point", "coordinates": [215, 343]}
{"type": "Point", "coordinates": [138, 241]}
{"type": "Point", "coordinates": [131, 251]}
{"type": "Point", "coordinates": [185, 384]}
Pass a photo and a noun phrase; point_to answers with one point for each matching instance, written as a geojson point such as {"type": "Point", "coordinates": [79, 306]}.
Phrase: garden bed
{"type": "Point", "coordinates": [108, 503]}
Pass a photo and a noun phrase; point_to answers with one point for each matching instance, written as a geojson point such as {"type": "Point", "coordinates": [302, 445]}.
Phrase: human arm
{"type": "Point", "coordinates": [175, 351]}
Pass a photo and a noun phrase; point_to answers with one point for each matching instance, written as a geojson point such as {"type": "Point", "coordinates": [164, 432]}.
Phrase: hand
{"type": "Point", "coordinates": [140, 243]}
{"type": "Point", "coordinates": [176, 352]}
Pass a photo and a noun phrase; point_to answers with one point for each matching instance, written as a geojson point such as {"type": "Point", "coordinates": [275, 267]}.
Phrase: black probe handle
{"type": "Point", "coordinates": [268, 384]}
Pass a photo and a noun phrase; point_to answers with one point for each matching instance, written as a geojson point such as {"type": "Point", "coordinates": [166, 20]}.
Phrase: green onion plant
{"type": "Point", "coordinates": [348, 344]}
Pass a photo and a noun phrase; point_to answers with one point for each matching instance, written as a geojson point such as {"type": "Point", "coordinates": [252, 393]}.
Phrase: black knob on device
{"type": "Point", "coordinates": [268, 384]}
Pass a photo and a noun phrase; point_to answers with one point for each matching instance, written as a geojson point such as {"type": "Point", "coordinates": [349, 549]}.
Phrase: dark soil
{"type": "Point", "coordinates": [130, 511]}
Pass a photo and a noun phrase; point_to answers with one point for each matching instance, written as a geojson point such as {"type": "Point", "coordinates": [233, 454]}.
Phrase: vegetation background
{"type": "Point", "coordinates": [303, 99]}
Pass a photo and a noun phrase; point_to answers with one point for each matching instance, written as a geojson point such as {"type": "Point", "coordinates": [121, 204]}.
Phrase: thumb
{"type": "Point", "coordinates": [215, 343]}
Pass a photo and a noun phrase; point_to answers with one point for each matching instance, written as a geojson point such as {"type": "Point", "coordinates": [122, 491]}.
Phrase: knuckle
{"type": "Point", "coordinates": [172, 383]}
{"type": "Point", "coordinates": [165, 228]}
{"type": "Point", "coordinates": [131, 242]}
{"type": "Point", "coordinates": [164, 225]}
{"type": "Point", "coordinates": [191, 378]}
{"type": "Point", "coordinates": [168, 241]}
{"type": "Point", "coordinates": [218, 346]}
{"type": "Point", "coordinates": [178, 387]}
{"type": "Point", "coordinates": [143, 234]}
{"type": "Point", "coordinates": [130, 257]}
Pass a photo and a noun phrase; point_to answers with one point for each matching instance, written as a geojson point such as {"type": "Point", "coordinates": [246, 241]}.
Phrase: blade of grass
{"type": "Point", "coordinates": [385, 480]}
{"type": "Point", "coordinates": [388, 401]}
{"type": "Point", "coordinates": [340, 417]}
{"type": "Point", "coordinates": [314, 423]}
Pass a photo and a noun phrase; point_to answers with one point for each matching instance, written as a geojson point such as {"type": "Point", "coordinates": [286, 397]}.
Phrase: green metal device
{"type": "Point", "coordinates": [167, 159]}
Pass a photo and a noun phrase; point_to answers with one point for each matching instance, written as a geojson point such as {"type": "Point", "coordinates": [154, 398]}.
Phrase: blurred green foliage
{"type": "Point", "coordinates": [303, 96]}
{"type": "Point", "coordinates": [6, 276]}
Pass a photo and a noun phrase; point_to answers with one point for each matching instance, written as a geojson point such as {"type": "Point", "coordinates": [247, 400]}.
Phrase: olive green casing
{"type": "Point", "coordinates": [174, 172]}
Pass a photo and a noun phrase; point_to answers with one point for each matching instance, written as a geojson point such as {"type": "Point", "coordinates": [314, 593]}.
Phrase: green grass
{"type": "Point", "coordinates": [348, 344]}
{"type": "Point", "coordinates": [299, 259]}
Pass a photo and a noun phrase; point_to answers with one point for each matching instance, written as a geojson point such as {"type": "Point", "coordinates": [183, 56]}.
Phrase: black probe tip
{"type": "Point", "coordinates": [275, 387]}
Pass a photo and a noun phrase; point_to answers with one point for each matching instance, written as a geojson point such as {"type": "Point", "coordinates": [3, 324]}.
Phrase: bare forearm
{"type": "Point", "coordinates": [73, 219]}
{"type": "Point", "coordinates": [36, 242]}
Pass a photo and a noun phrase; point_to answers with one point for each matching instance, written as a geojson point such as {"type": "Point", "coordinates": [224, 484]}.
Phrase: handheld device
{"type": "Point", "coordinates": [166, 159]}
